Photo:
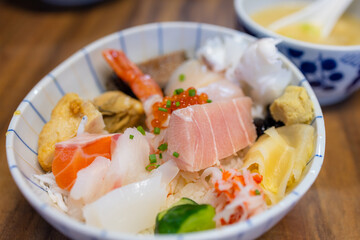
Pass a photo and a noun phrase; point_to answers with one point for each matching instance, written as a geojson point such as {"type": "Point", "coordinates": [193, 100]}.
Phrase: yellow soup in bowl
{"type": "Point", "coordinates": [346, 31]}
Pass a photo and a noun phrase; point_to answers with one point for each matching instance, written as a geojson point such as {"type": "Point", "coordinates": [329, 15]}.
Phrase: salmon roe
{"type": "Point", "coordinates": [180, 99]}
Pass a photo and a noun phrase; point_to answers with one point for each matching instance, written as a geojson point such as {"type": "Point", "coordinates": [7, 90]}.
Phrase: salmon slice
{"type": "Point", "coordinates": [77, 153]}
{"type": "Point", "coordinates": [204, 134]}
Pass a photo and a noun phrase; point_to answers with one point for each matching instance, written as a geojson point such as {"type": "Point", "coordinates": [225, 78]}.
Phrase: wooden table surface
{"type": "Point", "coordinates": [35, 38]}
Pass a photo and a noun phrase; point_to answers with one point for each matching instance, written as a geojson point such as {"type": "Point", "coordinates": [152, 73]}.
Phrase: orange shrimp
{"type": "Point", "coordinates": [142, 85]}
{"type": "Point", "coordinates": [77, 153]}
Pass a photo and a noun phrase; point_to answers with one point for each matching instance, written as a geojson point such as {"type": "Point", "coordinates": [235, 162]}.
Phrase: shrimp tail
{"type": "Point", "coordinates": [141, 84]}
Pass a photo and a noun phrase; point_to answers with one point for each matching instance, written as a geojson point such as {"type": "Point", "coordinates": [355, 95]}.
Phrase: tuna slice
{"type": "Point", "coordinates": [204, 134]}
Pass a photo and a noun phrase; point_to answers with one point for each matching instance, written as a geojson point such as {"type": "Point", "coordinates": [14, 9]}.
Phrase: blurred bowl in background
{"type": "Point", "coordinates": [71, 3]}
{"type": "Point", "coordinates": [332, 71]}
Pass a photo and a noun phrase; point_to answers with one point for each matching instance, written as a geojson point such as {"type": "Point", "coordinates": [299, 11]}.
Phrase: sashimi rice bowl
{"type": "Point", "coordinates": [168, 130]}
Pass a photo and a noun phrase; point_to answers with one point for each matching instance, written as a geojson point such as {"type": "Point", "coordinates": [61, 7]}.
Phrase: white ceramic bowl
{"type": "Point", "coordinates": [84, 73]}
{"type": "Point", "coordinates": [333, 71]}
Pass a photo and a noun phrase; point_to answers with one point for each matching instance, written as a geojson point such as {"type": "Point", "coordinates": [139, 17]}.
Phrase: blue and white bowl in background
{"type": "Point", "coordinates": [332, 71]}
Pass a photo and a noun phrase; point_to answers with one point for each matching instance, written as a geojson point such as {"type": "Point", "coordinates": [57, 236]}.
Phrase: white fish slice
{"type": "Point", "coordinates": [132, 208]}
{"type": "Point", "coordinates": [322, 13]}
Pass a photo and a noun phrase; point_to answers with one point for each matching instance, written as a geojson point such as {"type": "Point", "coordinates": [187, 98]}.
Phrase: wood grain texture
{"type": "Point", "coordinates": [35, 38]}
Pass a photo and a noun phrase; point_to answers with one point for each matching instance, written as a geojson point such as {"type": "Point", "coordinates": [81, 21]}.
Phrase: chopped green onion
{"type": "Point", "coordinates": [176, 154]}
{"type": "Point", "coordinates": [257, 192]}
{"type": "Point", "coordinates": [221, 170]}
{"type": "Point", "coordinates": [131, 136]}
{"type": "Point", "coordinates": [163, 147]}
{"type": "Point", "coordinates": [177, 104]}
{"type": "Point", "coordinates": [192, 92]}
{"type": "Point", "coordinates": [182, 77]}
{"type": "Point", "coordinates": [168, 103]}
{"type": "Point", "coordinates": [178, 91]}
{"type": "Point", "coordinates": [152, 158]}
{"type": "Point", "coordinates": [151, 167]}
{"type": "Point", "coordinates": [208, 101]}
{"type": "Point", "coordinates": [160, 155]}
{"type": "Point", "coordinates": [163, 109]}
{"type": "Point", "coordinates": [156, 130]}
{"type": "Point", "coordinates": [140, 129]}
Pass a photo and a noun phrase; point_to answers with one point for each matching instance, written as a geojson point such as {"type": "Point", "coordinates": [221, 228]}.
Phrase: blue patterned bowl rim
{"type": "Point", "coordinates": [243, 15]}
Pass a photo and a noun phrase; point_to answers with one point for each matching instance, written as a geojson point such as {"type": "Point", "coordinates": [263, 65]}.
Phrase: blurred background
{"type": "Point", "coordinates": [37, 35]}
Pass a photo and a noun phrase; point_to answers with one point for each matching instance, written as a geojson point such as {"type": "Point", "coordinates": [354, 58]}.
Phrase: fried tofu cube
{"type": "Point", "coordinates": [63, 125]}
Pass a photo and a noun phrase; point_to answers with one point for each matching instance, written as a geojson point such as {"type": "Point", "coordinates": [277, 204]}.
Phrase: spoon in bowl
{"type": "Point", "coordinates": [322, 14]}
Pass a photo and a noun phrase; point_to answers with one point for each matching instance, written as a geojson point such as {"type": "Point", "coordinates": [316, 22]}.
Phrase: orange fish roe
{"type": "Point", "coordinates": [180, 99]}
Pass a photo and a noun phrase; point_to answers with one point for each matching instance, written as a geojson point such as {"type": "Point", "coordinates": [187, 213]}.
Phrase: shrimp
{"type": "Point", "coordinates": [143, 86]}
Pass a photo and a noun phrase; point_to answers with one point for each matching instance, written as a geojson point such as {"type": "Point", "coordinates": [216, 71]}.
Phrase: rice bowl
{"type": "Point", "coordinates": [169, 37]}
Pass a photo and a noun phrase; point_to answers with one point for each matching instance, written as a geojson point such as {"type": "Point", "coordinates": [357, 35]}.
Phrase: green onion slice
{"type": "Point", "coordinates": [141, 130]}
{"type": "Point", "coordinates": [168, 103]}
{"type": "Point", "coordinates": [152, 158]}
{"type": "Point", "coordinates": [178, 91]}
{"type": "Point", "coordinates": [151, 167]}
{"type": "Point", "coordinates": [192, 92]}
{"type": "Point", "coordinates": [156, 130]}
{"type": "Point", "coordinates": [163, 109]}
{"type": "Point", "coordinates": [163, 147]}
{"type": "Point", "coordinates": [182, 77]}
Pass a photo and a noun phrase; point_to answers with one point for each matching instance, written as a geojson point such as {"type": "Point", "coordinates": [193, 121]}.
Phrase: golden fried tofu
{"type": "Point", "coordinates": [119, 111]}
{"type": "Point", "coordinates": [294, 106]}
{"type": "Point", "coordinates": [64, 123]}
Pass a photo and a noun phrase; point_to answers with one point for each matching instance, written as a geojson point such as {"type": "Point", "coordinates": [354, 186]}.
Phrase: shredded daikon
{"type": "Point", "coordinates": [56, 194]}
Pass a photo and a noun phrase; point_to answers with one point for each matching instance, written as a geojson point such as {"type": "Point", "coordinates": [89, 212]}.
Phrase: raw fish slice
{"type": "Point", "coordinates": [77, 153]}
{"type": "Point", "coordinates": [204, 134]}
{"type": "Point", "coordinates": [222, 54]}
{"type": "Point", "coordinates": [243, 109]}
{"type": "Point", "coordinates": [129, 159]}
{"type": "Point", "coordinates": [167, 171]}
{"type": "Point", "coordinates": [261, 69]}
{"type": "Point", "coordinates": [196, 75]}
{"type": "Point", "coordinates": [89, 182]}
{"type": "Point", "coordinates": [128, 209]}
{"type": "Point", "coordinates": [233, 121]}
{"type": "Point", "coordinates": [132, 208]}
{"type": "Point", "coordinates": [221, 90]}
{"type": "Point", "coordinates": [219, 132]}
